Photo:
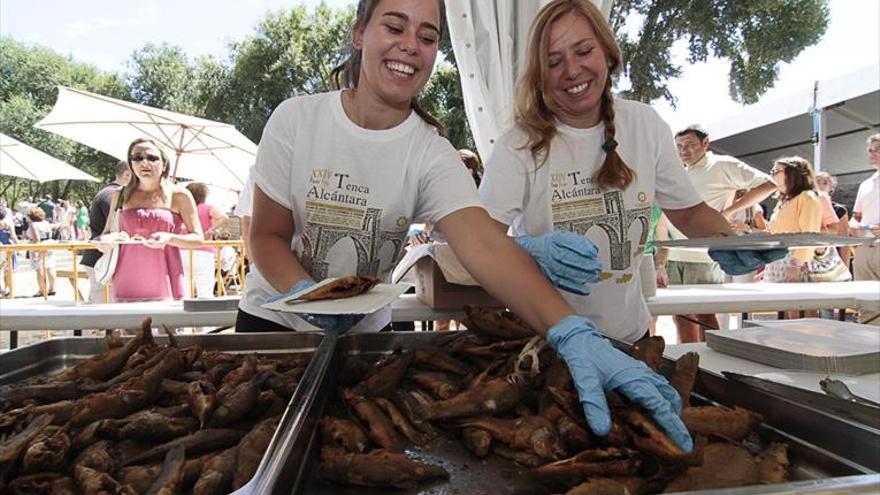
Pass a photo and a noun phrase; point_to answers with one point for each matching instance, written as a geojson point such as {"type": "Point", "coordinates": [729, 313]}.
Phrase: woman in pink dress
{"type": "Point", "coordinates": [155, 210]}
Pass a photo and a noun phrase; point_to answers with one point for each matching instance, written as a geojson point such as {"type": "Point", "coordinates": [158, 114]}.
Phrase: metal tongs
{"type": "Point", "coordinates": [838, 389]}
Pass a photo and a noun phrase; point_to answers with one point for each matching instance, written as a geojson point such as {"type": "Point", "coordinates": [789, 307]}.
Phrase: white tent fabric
{"type": "Point", "coordinates": [849, 107]}
{"type": "Point", "coordinates": [489, 38]}
{"type": "Point", "coordinates": [199, 149]}
{"type": "Point", "coordinates": [20, 160]}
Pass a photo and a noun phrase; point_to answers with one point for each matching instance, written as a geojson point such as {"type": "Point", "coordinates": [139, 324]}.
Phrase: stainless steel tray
{"type": "Point", "coordinates": [53, 355]}
{"type": "Point", "coordinates": [828, 454]}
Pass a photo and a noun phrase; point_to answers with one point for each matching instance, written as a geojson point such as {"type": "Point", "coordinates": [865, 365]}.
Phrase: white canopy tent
{"type": "Point", "coordinates": [489, 38]}
{"type": "Point", "coordinates": [20, 160]}
{"type": "Point", "coordinates": [826, 122]}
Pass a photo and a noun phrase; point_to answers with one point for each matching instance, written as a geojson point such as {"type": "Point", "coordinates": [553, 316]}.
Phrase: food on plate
{"type": "Point", "coordinates": [339, 288]}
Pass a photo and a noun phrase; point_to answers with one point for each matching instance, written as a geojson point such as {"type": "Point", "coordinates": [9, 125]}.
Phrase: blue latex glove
{"type": "Point", "coordinates": [742, 262]}
{"type": "Point", "coordinates": [567, 259]}
{"type": "Point", "coordinates": [597, 366]}
{"type": "Point", "coordinates": [336, 324]}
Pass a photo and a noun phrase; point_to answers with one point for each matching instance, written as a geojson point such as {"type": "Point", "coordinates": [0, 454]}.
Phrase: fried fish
{"type": "Point", "coordinates": [340, 288]}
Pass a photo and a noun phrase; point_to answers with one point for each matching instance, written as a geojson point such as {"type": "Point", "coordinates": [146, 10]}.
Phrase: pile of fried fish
{"type": "Point", "coordinates": [499, 391]}
{"type": "Point", "coordinates": [145, 418]}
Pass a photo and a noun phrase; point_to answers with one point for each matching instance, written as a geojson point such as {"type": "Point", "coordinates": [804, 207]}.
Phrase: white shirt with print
{"type": "Point", "coordinates": [353, 192]}
{"type": "Point", "coordinates": [561, 195]}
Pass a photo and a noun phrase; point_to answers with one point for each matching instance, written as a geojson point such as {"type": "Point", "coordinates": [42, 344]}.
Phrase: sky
{"type": "Point", "coordinates": [106, 32]}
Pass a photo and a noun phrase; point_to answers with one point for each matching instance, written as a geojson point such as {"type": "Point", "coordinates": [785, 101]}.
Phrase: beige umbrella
{"type": "Point", "coordinates": [199, 149]}
{"type": "Point", "coordinates": [20, 160]}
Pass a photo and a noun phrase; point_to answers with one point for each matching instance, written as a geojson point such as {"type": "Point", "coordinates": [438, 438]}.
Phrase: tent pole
{"type": "Point", "coordinates": [819, 132]}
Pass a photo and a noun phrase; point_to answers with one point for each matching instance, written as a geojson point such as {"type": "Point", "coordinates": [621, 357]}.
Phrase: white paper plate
{"type": "Point", "coordinates": [377, 298]}
{"type": "Point", "coordinates": [765, 241]}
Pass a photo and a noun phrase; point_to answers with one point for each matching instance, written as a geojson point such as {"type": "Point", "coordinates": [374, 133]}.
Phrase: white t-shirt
{"type": "Point", "coordinates": [717, 178]}
{"type": "Point", "coordinates": [868, 200]}
{"type": "Point", "coordinates": [353, 192]}
{"type": "Point", "coordinates": [561, 195]}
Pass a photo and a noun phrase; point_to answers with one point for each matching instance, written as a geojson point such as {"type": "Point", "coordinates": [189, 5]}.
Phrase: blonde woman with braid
{"type": "Point", "coordinates": [580, 160]}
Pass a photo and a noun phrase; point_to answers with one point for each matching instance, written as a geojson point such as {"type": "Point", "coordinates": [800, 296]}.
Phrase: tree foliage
{"type": "Point", "coordinates": [293, 51]}
{"type": "Point", "coordinates": [29, 76]}
{"type": "Point", "coordinates": [755, 36]}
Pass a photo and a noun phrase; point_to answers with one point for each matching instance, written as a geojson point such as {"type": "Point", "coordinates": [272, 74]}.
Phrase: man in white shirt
{"type": "Point", "coordinates": [866, 222]}
{"type": "Point", "coordinates": [717, 178]}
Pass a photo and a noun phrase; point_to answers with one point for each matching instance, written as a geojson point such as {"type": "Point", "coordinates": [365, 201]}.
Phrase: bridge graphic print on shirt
{"type": "Point", "coordinates": [333, 230]}
{"type": "Point", "coordinates": [607, 212]}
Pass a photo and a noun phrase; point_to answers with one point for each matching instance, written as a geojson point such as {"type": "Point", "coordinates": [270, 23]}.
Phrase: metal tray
{"type": "Point", "coordinates": [828, 454]}
{"type": "Point", "coordinates": [51, 356]}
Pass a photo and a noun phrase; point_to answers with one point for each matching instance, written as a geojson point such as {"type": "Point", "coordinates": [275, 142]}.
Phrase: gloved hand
{"type": "Point", "coordinates": [742, 262]}
{"type": "Point", "coordinates": [597, 366]}
{"type": "Point", "coordinates": [567, 259]}
{"type": "Point", "coordinates": [335, 324]}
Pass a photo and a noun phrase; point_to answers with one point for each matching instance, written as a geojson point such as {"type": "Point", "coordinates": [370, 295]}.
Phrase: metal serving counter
{"type": "Point", "coordinates": [828, 454]}
{"type": "Point", "coordinates": [51, 356]}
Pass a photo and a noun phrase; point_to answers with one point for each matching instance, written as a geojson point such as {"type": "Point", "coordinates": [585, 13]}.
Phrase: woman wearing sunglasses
{"type": "Point", "coordinates": [152, 209]}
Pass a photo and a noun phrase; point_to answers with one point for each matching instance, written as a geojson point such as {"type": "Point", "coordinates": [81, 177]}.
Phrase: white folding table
{"type": "Point", "coordinates": [38, 314]}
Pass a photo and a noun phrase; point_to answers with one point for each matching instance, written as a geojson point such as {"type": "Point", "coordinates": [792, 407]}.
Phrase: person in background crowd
{"type": "Point", "coordinates": [5, 207]}
{"type": "Point", "coordinates": [40, 231]}
{"type": "Point", "coordinates": [7, 237]}
{"type": "Point", "coordinates": [48, 208]}
{"type": "Point", "coordinates": [99, 212]}
{"type": "Point", "coordinates": [866, 223]}
{"type": "Point", "coordinates": [657, 230]}
{"type": "Point", "coordinates": [20, 219]}
{"type": "Point", "coordinates": [66, 216]}
{"type": "Point", "coordinates": [244, 209]}
{"type": "Point", "coordinates": [798, 210]}
{"type": "Point", "coordinates": [473, 163]}
{"type": "Point", "coordinates": [155, 210]}
{"type": "Point", "coordinates": [82, 221]}
{"type": "Point", "coordinates": [717, 178]}
{"type": "Point", "coordinates": [211, 219]}
{"type": "Point", "coordinates": [838, 224]}
{"type": "Point", "coordinates": [315, 203]}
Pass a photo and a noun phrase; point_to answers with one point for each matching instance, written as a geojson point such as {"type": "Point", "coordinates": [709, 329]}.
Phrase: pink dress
{"type": "Point", "coordinates": [143, 273]}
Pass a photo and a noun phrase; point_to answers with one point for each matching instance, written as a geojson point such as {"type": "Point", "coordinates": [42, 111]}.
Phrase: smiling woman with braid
{"type": "Point", "coordinates": [580, 160]}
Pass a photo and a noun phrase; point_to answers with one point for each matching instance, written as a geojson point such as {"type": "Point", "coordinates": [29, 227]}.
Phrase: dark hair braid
{"type": "Point", "coordinates": [614, 173]}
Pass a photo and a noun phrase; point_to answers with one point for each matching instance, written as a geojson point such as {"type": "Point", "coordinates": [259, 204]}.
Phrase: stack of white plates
{"type": "Point", "coordinates": [812, 344]}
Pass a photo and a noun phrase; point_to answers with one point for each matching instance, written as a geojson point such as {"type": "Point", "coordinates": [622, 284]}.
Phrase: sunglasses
{"type": "Point", "coordinates": [148, 157]}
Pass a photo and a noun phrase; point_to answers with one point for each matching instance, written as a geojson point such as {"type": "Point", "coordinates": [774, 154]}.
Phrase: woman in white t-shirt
{"type": "Point", "coordinates": [580, 160]}
{"type": "Point", "coordinates": [340, 176]}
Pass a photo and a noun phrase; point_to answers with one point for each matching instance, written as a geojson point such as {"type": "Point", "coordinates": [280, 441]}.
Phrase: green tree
{"type": "Point", "coordinates": [161, 76]}
{"type": "Point", "coordinates": [29, 76]}
{"type": "Point", "coordinates": [443, 97]}
{"type": "Point", "coordinates": [292, 53]}
{"type": "Point", "coordinates": [755, 36]}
